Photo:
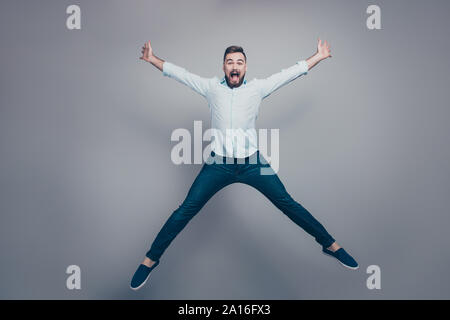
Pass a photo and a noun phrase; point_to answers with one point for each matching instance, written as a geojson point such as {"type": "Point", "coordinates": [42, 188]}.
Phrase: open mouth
{"type": "Point", "coordinates": [234, 76]}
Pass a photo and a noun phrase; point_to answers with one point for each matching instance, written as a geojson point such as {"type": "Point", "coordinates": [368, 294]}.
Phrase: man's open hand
{"type": "Point", "coordinates": [323, 49]}
{"type": "Point", "coordinates": [147, 52]}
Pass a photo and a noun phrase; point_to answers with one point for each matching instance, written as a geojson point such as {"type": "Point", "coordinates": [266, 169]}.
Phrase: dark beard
{"type": "Point", "coordinates": [234, 85]}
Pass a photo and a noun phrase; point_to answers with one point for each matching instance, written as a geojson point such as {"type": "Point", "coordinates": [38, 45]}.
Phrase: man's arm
{"type": "Point", "coordinates": [193, 81]}
{"type": "Point", "coordinates": [302, 67]}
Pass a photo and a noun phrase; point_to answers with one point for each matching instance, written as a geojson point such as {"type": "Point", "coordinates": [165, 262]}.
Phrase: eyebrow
{"type": "Point", "coordinates": [237, 60]}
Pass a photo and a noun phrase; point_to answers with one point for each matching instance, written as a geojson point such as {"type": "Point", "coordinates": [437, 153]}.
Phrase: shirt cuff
{"type": "Point", "coordinates": [167, 67]}
{"type": "Point", "coordinates": [304, 66]}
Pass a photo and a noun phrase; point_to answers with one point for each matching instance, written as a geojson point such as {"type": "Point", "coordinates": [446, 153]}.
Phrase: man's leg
{"type": "Point", "coordinates": [274, 190]}
{"type": "Point", "coordinates": [211, 178]}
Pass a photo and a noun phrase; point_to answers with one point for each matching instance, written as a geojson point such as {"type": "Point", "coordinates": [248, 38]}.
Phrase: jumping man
{"type": "Point", "coordinates": [234, 105]}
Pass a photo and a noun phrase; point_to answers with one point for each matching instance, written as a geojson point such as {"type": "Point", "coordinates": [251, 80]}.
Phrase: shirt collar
{"type": "Point", "coordinates": [223, 81]}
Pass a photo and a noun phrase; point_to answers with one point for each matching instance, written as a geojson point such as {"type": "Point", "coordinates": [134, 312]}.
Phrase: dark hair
{"type": "Point", "coordinates": [232, 49]}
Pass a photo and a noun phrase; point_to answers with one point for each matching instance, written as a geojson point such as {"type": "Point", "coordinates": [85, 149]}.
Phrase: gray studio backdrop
{"type": "Point", "coordinates": [86, 175]}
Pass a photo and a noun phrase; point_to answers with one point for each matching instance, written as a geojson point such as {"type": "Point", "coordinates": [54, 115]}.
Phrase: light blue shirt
{"type": "Point", "coordinates": [234, 111]}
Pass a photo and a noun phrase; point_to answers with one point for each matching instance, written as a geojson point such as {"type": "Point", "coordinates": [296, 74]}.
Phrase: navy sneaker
{"type": "Point", "coordinates": [343, 257]}
{"type": "Point", "coordinates": [141, 275]}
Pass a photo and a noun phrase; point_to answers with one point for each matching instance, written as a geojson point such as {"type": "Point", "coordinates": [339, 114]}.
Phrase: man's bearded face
{"type": "Point", "coordinates": [235, 68]}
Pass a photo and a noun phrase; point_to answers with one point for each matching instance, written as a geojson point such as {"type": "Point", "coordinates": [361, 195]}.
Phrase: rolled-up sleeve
{"type": "Point", "coordinates": [193, 81]}
{"type": "Point", "coordinates": [277, 80]}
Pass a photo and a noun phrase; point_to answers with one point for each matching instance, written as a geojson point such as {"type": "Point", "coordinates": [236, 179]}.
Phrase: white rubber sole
{"type": "Point", "coordinates": [142, 284]}
{"type": "Point", "coordinates": [348, 267]}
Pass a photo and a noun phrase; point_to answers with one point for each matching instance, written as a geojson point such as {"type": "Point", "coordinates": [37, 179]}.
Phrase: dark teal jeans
{"type": "Point", "coordinates": [218, 172]}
